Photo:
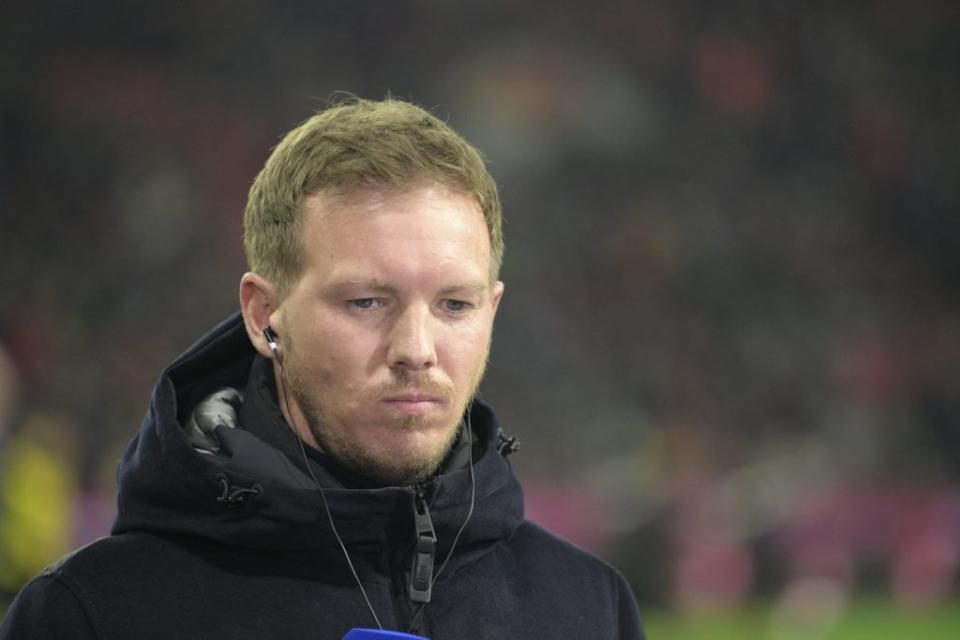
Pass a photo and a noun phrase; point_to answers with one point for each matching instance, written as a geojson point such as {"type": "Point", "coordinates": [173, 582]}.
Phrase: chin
{"type": "Point", "coordinates": [408, 458]}
{"type": "Point", "coordinates": [387, 472]}
{"type": "Point", "coordinates": [414, 449]}
{"type": "Point", "coordinates": [400, 451]}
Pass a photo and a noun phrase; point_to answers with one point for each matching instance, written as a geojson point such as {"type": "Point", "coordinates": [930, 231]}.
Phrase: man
{"type": "Point", "coordinates": [318, 462]}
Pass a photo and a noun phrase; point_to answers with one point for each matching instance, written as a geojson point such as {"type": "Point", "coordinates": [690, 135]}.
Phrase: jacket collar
{"type": "Point", "coordinates": [166, 487]}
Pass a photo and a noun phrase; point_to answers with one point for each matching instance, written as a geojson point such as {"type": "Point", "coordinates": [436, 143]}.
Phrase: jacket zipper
{"type": "Point", "coordinates": [421, 572]}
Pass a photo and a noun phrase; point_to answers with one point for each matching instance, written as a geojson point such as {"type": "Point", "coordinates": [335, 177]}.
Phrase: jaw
{"type": "Point", "coordinates": [401, 454]}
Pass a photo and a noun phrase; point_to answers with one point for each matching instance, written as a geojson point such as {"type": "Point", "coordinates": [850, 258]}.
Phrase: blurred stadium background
{"type": "Point", "coordinates": [730, 343]}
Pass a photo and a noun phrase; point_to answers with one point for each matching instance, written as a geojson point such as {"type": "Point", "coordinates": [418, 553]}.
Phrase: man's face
{"type": "Point", "coordinates": [387, 331]}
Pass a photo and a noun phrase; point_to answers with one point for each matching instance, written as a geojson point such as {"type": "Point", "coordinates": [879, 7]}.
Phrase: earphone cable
{"type": "Point", "coordinates": [333, 526]}
{"type": "Point", "coordinates": [473, 496]}
{"type": "Point", "coordinates": [326, 507]}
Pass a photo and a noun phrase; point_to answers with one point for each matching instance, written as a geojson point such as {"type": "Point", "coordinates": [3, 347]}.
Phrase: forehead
{"type": "Point", "coordinates": [372, 228]}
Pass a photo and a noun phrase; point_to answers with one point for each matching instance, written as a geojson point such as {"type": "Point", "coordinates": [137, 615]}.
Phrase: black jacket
{"type": "Point", "coordinates": [238, 545]}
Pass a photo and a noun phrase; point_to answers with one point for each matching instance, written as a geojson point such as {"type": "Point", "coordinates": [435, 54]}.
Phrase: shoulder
{"type": "Point", "coordinates": [51, 605]}
{"type": "Point", "coordinates": [67, 599]}
{"type": "Point", "coordinates": [545, 570]}
{"type": "Point", "coordinates": [588, 576]}
{"type": "Point", "coordinates": [112, 550]}
{"type": "Point", "coordinates": [546, 546]}
{"type": "Point", "coordinates": [545, 558]}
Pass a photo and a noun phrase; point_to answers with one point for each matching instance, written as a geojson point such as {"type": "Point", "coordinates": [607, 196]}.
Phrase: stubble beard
{"type": "Point", "coordinates": [378, 469]}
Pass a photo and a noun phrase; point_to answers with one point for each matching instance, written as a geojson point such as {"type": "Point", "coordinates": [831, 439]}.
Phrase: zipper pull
{"type": "Point", "coordinates": [421, 574]}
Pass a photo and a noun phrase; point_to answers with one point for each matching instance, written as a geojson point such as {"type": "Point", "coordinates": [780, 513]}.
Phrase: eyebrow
{"type": "Point", "coordinates": [475, 287]}
{"type": "Point", "coordinates": [372, 284]}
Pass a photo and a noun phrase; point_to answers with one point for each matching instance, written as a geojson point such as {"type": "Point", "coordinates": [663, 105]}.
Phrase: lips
{"type": "Point", "coordinates": [413, 403]}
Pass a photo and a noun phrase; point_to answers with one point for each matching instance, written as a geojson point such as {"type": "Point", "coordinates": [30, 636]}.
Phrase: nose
{"type": "Point", "coordinates": [411, 342]}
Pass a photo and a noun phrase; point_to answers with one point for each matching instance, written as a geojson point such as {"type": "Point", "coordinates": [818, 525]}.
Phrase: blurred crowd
{"type": "Point", "coordinates": [730, 342]}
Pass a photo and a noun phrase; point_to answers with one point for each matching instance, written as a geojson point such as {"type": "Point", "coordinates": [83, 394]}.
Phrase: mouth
{"type": "Point", "coordinates": [413, 404]}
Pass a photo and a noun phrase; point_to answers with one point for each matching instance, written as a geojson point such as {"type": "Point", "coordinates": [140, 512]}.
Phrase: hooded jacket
{"type": "Point", "coordinates": [239, 544]}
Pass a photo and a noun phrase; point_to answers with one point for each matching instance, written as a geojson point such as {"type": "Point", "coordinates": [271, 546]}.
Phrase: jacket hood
{"type": "Point", "coordinates": [251, 496]}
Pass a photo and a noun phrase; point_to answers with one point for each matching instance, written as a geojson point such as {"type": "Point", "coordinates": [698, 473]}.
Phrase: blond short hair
{"type": "Point", "coordinates": [351, 145]}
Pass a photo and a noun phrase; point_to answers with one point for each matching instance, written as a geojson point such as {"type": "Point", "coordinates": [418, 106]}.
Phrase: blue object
{"type": "Point", "coordinates": [377, 634]}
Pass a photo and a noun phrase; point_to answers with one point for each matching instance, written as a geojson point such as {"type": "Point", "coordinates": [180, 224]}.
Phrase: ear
{"type": "Point", "coordinates": [258, 304]}
{"type": "Point", "coordinates": [497, 294]}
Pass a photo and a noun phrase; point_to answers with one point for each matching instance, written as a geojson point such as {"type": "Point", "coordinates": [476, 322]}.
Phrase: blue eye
{"type": "Point", "coordinates": [364, 303]}
{"type": "Point", "coordinates": [456, 306]}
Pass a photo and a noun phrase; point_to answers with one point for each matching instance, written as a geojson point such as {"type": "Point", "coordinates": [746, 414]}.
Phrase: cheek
{"type": "Point", "coordinates": [467, 352]}
{"type": "Point", "coordinates": [341, 351]}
